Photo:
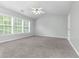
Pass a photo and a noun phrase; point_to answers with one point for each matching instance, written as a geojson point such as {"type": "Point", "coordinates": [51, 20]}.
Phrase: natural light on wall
{"type": "Point", "coordinates": [14, 25]}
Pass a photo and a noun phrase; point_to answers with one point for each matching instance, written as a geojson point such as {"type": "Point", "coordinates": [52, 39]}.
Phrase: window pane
{"type": "Point", "coordinates": [7, 20]}
{"type": "Point", "coordinates": [1, 20]}
{"type": "Point", "coordinates": [17, 25]}
{"type": "Point", "coordinates": [1, 29]}
{"type": "Point", "coordinates": [26, 26]}
{"type": "Point", "coordinates": [6, 24]}
{"type": "Point", "coordinates": [1, 24]}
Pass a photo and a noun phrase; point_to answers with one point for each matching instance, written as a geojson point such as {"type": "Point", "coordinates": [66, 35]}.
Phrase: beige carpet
{"type": "Point", "coordinates": [37, 47]}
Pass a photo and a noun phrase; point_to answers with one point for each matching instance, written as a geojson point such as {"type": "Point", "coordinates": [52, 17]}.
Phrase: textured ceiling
{"type": "Point", "coordinates": [49, 7]}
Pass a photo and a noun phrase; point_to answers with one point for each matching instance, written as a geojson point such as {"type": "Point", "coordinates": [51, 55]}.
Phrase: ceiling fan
{"type": "Point", "coordinates": [37, 11]}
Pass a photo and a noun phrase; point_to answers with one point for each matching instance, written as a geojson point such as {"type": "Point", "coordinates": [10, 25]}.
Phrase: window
{"type": "Point", "coordinates": [9, 25]}
{"type": "Point", "coordinates": [1, 24]}
{"type": "Point", "coordinates": [5, 24]}
{"type": "Point", "coordinates": [17, 27]}
{"type": "Point", "coordinates": [26, 26]}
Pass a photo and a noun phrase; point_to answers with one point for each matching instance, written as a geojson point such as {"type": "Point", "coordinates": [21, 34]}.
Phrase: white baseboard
{"type": "Point", "coordinates": [73, 47]}
{"type": "Point", "coordinates": [3, 41]}
{"type": "Point", "coordinates": [52, 36]}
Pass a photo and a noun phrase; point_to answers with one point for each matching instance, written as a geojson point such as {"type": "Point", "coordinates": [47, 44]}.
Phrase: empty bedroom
{"type": "Point", "coordinates": [39, 29]}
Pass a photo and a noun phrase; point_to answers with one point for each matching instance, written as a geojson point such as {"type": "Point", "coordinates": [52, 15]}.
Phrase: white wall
{"type": "Point", "coordinates": [74, 25]}
{"type": "Point", "coordinates": [4, 38]}
{"type": "Point", "coordinates": [52, 26]}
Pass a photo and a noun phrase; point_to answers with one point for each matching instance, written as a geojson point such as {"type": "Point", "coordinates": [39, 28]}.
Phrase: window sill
{"type": "Point", "coordinates": [13, 34]}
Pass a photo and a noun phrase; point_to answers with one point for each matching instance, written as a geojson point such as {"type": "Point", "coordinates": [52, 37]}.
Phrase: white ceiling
{"type": "Point", "coordinates": [49, 7]}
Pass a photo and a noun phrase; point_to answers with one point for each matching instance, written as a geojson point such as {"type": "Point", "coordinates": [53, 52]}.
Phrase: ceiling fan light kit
{"type": "Point", "coordinates": [37, 11]}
